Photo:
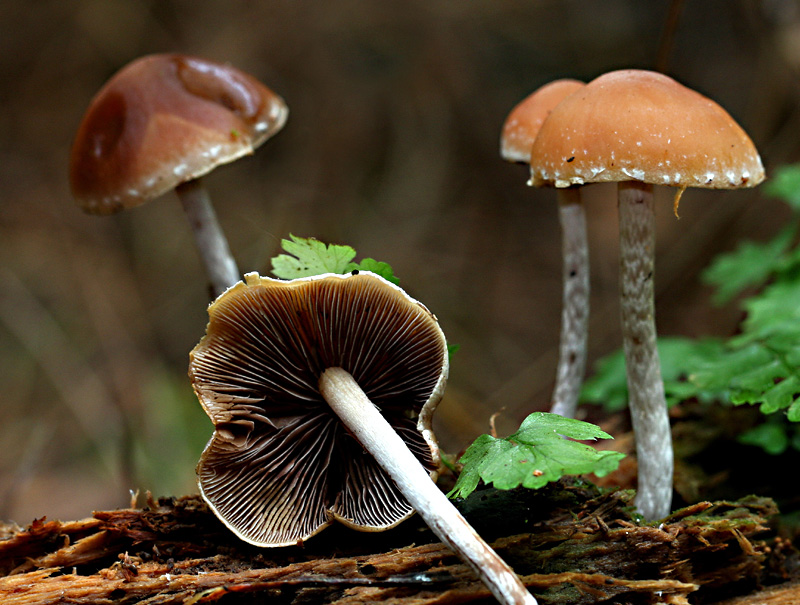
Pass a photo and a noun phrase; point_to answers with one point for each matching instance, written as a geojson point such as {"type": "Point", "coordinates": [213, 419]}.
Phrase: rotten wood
{"type": "Point", "coordinates": [570, 543]}
{"type": "Point", "coordinates": [783, 594]}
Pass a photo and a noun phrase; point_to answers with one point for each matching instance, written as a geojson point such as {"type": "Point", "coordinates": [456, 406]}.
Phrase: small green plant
{"type": "Point", "coordinates": [760, 365]}
{"type": "Point", "coordinates": [307, 257]}
{"type": "Point", "coordinates": [535, 455]}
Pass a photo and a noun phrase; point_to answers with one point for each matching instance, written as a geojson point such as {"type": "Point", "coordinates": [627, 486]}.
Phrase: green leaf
{"type": "Point", "coordinates": [773, 317]}
{"type": "Point", "coordinates": [608, 386]}
{"type": "Point", "coordinates": [377, 267]}
{"type": "Point", "coordinates": [716, 374]}
{"type": "Point", "coordinates": [753, 264]}
{"type": "Point", "coordinates": [750, 265]}
{"type": "Point", "coordinates": [535, 455]}
{"type": "Point", "coordinates": [793, 413]}
{"type": "Point", "coordinates": [758, 378]}
{"type": "Point", "coordinates": [308, 256]}
{"type": "Point", "coordinates": [679, 357]}
{"type": "Point", "coordinates": [769, 436]}
{"type": "Point", "coordinates": [781, 396]}
{"type": "Point", "coordinates": [785, 184]}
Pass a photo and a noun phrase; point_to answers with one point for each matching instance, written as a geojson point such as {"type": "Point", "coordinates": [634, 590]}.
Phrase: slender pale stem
{"type": "Point", "coordinates": [377, 436]}
{"type": "Point", "coordinates": [211, 242]}
{"type": "Point", "coordinates": [575, 306]}
{"type": "Point", "coordinates": [646, 390]}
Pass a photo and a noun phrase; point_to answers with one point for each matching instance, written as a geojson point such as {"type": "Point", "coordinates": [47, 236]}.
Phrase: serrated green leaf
{"type": "Point", "coordinates": [792, 355]}
{"type": "Point", "coordinates": [377, 267]}
{"type": "Point", "coordinates": [780, 395]}
{"type": "Point", "coordinates": [308, 257]}
{"type": "Point", "coordinates": [608, 386]}
{"type": "Point", "coordinates": [793, 413]}
{"type": "Point", "coordinates": [679, 357]}
{"type": "Point", "coordinates": [743, 397]}
{"type": "Point", "coordinates": [750, 265]}
{"type": "Point", "coordinates": [758, 378]}
{"type": "Point", "coordinates": [769, 436]}
{"type": "Point", "coordinates": [541, 425]}
{"type": "Point", "coordinates": [773, 317]}
{"type": "Point", "coordinates": [717, 374]}
{"type": "Point", "coordinates": [535, 455]}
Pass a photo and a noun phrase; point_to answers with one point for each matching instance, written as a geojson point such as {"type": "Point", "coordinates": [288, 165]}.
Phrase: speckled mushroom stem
{"type": "Point", "coordinates": [647, 404]}
{"type": "Point", "coordinates": [208, 236]}
{"type": "Point", "coordinates": [377, 436]}
{"type": "Point", "coordinates": [575, 306]}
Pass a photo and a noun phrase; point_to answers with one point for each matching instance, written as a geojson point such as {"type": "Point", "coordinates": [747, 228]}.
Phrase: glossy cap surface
{"type": "Point", "coordinates": [635, 125]}
{"type": "Point", "coordinates": [163, 120]}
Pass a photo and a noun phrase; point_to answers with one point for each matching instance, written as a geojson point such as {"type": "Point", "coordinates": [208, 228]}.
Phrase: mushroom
{"type": "Point", "coordinates": [161, 123]}
{"type": "Point", "coordinates": [519, 131]}
{"type": "Point", "coordinates": [321, 391]}
{"type": "Point", "coordinates": [640, 129]}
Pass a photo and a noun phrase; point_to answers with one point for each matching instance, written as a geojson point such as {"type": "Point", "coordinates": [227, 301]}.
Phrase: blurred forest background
{"type": "Point", "coordinates": [392, 147]}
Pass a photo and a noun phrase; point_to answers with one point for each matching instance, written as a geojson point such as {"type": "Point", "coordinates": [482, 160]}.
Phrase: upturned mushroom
{"type": "Point", "coordinates": [519, 132]}
{"type": "Point", "coordinates": [162, 122]}
{"type": "Point", "coordinates": [321, 391]}
{"type": "Point", "coordinates": [640, 129]}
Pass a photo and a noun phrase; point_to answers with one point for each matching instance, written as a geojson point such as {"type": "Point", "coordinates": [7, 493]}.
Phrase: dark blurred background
{"type": "Point", "coordinates": [392, 147]}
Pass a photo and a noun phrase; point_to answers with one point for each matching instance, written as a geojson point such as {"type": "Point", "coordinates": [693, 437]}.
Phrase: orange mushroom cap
{"type": "Point", "coordinates": [634, 125]}
{"type": "Point", "coordinates": [524, 121]}
{"type": "Point", "coordinates": [163, 120]}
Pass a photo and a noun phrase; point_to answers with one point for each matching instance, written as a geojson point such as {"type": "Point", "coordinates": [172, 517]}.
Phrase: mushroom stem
{"type": "Point", "coordinates": [208, 236]}
{"type": "Point", "coordinates": [647, 403]}
{"type": "Point", "coordinates": [377, 436]}
{"type": "Point", "coordinates": [575, 306]}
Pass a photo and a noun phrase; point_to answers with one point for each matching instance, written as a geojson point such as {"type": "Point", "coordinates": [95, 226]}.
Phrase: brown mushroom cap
{"type": "Point", "coordinates": [524, 121]}
{"type": "Point", "coordinates": [163, 120]}
{"type": "Point", "coordinates": [634, 125]}
{"type": "Point", "coordinates": [280, 466]}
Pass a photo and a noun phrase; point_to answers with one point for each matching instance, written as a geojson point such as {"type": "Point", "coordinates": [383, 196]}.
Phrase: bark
{"type": "Point", "coordinates": [784, 594]}
{"type": "Point", "coordinates": [569, 543]}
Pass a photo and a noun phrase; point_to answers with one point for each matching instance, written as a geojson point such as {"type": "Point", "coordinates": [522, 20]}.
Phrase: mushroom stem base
{"type": "Point", "coordinates": [377, 436]}
{"type": "Point", "coordinates": [647, 403]}
{"type": "Point", "coordinates": [208, 235]}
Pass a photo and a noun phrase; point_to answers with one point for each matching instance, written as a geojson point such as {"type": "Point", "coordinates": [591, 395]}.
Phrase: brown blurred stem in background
{"type": "Point", "coordinates": [667, 41]}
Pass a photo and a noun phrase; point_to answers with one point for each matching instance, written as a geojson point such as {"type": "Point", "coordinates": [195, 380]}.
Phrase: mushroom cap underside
{"type": "Point", "coordinates": [280, 466]}
{"type": "Point", "coordinates": [163, 120]}
{"type": "Point", "coordinates": [635, 125]}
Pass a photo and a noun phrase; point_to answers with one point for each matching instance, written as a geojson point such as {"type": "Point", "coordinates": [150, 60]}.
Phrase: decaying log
{"type": "Point", "coordinates": [569, 542]}
{"type": "Point", "coordinates": [783, 594]}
